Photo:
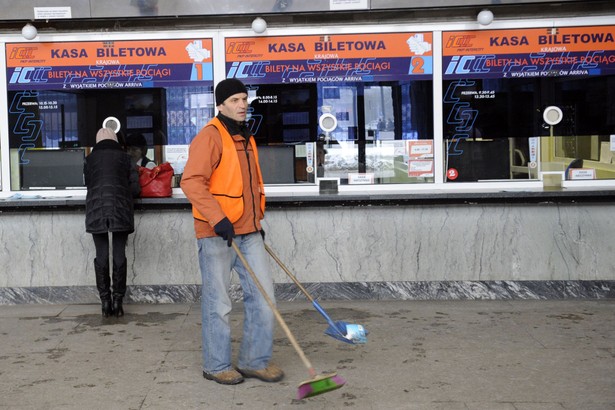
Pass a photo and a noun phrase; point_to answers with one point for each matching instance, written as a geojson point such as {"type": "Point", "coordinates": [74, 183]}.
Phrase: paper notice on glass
{"type": "Point", "coordinates": [420, 168]}
{"type": "Point", "coordinates": [533, 142]}
{"type": "Point", "coordinates": [176, 155]}
{"type": "Point", "coordinates": [360, 179]}
{"type": "Point", "coordinates": [347, 4]}
{"type": "Point", "coordinates": [581, 173]}
{"type": "Point", "coordinates": [48, 13]}
{"type": "Point", "coordinates": [309, 156]}
{"type": "Point", "coordinates": [399, 147]}
{"type": "Point", "coordinates": [420, 149]}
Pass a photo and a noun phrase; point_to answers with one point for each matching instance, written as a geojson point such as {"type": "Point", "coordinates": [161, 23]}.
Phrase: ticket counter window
{"type": "Point", "coordinates": [45, 139]}
{"type": "Point", "coordinates": [487, 126]}
{"type": "Point", "coordinates": [375, 123]}
{"type": "Point", "coordinates": [50, 132]}
{"type": "Point", "coordinates": [582, 144]}
{"type": "Point", "coordinates": [367, 142]}
{"type": "Point", "coordinates": [494, 128]}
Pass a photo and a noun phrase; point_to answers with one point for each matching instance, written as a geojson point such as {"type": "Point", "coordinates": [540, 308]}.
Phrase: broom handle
{"type": "Point", "coordinates": [290, 336]}
{"type": "Point", "coordinates": [290, 275]}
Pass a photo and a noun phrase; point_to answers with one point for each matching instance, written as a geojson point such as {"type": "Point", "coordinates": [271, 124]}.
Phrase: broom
{"type": "Point", "coordinates": [340, 330]}
{"type": "Point", "coordinates": [317, 384]}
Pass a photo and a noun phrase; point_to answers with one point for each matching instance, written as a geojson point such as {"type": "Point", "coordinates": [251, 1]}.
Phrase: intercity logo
{"type": "Point", "coordinates": [248, 69]}
{"type": "Point", "coordinates": [469, 64]}
{"type": "Point", "coordinates": [22, 53]}
{"type": "Point", "coordinates": [25, 75]}
{"type": "Point", "coordinates": [240, 47]}
{"type": "Point", "coordinates": [462, 41]}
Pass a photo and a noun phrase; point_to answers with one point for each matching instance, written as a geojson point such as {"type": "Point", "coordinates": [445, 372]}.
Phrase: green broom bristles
{"type": "Point", "coordinates": [319, 385]}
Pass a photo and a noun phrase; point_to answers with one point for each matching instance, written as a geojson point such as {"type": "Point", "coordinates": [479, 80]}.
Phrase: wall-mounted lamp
{"type": "Point", "coordinates": [112, 123]}
{"type": "Point", "coordinates": [485, 17]}
{"type": "Point", "coordinates": [29, 32]}
{"type": "Point", "coordinates": [552, 115]}
{"type": "Point", "coordinates": [259, 25]}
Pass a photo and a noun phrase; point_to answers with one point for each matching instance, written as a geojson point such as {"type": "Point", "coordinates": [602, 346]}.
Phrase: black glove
{"type": "Point", "coordinates": [262, 233]}
{"type": "Point", "coordinates": [224, 228]}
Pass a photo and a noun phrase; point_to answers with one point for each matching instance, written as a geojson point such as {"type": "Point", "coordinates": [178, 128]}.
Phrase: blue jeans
{"type": "Point", "coordinates": [216, 261]}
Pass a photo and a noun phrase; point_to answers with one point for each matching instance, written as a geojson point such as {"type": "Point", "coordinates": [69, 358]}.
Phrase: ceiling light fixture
{"type": "Point", "coordinates": [485, 17]}
{"type": "Point", "coordinates": [29, 32]}
{"type": "Point", "coordinates": [259, 25]}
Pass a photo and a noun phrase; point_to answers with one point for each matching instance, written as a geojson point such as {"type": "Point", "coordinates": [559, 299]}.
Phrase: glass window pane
{"type": "Point", "coordinates": [54, 120]}
{"type": "Point", "coordinates": [487, 123]}
{"type": "Point", "coordinates": [375, 121]}
{"type": "Point", "coordinates": [188, 109]}
{"type": "Point", "coordinates": [491, 125]}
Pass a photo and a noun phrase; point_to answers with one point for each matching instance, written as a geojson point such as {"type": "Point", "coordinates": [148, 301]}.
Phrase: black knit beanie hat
{"type": "Point", "coordinates": [228, 87]}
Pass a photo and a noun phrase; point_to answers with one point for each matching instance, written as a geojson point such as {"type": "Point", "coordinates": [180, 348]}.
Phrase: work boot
{"type": "Point", "coordinates": [103, 284]}
{"type": "Point", "coordinates": [226, 377]}
{"type": "Point", "coordinates": [119, 288]}
{"type": "Point", "coordinates": [271, 373]}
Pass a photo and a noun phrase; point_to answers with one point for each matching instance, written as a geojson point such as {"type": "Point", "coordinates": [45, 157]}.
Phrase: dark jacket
{"type": "Point", "coordinates": [112, 181]}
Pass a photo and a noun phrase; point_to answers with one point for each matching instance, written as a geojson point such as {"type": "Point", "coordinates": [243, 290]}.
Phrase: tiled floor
{"type": "Point", "coordinates": [470, 355]}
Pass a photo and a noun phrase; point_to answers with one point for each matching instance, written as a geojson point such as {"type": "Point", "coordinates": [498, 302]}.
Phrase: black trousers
{"type": "Point", "coordinates": [101, 243]}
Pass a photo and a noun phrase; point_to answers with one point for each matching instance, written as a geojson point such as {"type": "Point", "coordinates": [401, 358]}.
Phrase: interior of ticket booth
{"type": "Point", "coordinates": [68, 123]}
{"type": "Point", "coordinates": [503, 124]}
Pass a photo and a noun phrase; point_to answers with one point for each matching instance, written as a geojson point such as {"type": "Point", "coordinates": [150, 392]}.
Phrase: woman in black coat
{"type": "Point", "coordinates": [112, 182]}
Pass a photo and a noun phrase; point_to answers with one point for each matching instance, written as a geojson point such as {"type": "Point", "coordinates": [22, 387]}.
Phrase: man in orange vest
{"type": "Point", "coordinates": [222, 180]}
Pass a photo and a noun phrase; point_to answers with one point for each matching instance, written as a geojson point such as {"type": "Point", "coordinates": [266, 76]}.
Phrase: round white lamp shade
{"type": "Point", "coordinates": [552, 115]}
{"type": "Point", "coordinates": [29, 32]}
{"type": "Point", "coordinates": [485, 17]}
{"type": "Point", "coordinates": [112, 123]}
{"type": "Point", "coordinates": [327, 122]}
{"type": "Point", "coordinates": [259, 25]}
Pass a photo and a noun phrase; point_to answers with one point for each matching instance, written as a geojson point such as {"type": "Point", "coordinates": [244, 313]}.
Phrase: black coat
{"type": "Point", "coordinates": [112, 181]}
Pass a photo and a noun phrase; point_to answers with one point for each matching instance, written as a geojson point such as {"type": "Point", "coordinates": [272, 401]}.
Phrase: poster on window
{"type": "Point", "coordinates": [91, 65]}
{"type": "Point", "coordinates": [529, 53]}
{"type": "Point", "coordinates": [330, 58]}
{"type": "Point", "coordinates": [420, 158]}
{"type": "Point", "coordinates": [420, 149]}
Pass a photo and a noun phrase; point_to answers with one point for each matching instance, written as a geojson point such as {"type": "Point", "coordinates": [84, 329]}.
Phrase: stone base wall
{"type": "Point", "coordinates": [361, 251]}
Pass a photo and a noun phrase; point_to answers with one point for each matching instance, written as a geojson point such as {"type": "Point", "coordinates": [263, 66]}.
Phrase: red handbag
{"type": "Point", "coordinates": [156, 182]}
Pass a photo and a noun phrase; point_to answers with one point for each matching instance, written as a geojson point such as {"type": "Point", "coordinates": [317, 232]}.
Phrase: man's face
{"type": "Point", "coordinates": [235, 107]}
{"type": "Point", "coordinates": [135, 152]}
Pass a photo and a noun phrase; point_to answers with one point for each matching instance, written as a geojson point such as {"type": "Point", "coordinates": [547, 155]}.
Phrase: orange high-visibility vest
{"type": "Point", "coordinates": [226, 183]}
